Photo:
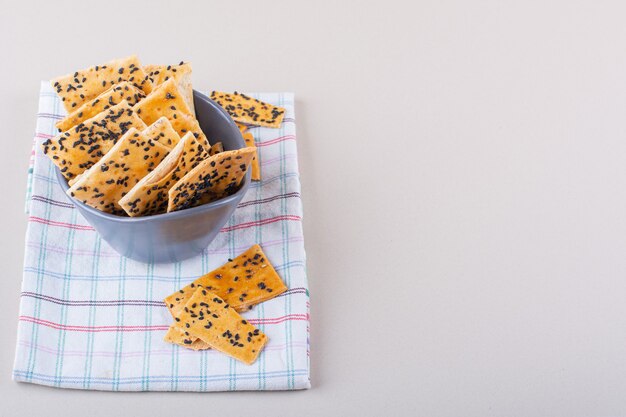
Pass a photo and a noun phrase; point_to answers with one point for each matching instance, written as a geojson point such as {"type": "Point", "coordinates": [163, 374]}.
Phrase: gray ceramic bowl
{"type": "Point", "coordinates": [171, 237]}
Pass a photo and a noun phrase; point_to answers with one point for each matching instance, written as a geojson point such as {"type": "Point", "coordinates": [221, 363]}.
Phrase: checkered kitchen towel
{"type": "Point", "coordinates": [91, 319]}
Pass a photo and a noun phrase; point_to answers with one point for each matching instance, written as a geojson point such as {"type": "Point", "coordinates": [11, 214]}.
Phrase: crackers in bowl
{"type": "Point", "coordinates": [131, 145]}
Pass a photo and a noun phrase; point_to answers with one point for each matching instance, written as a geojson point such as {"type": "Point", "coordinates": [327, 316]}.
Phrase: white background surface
{"type": "Point", "coordinates": [464, 177]}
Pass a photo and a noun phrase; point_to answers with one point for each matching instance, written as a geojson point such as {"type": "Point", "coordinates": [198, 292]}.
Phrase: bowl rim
{"type": "Point", "coordinates": [228, 200]}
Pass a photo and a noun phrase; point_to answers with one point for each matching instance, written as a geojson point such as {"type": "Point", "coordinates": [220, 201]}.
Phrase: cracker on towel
{"type": "Point", "coordinates": [158, 74]}
{"type": "Point", "coordinates": [242, 127]}
{"type": "Point", "coordinates": [162, 131]}
{"type": "Point", "coordinates": [245, 109]}
{"type": "Point", "coordinates": [254, 167]}
{"type": "Point", "coordinates": [129, 160]}
{"type": "Point", "coordinates": [85, 84]}
{"type": "Point", "coordinates": [176, 335]}
{"type": "Point", "coordinates": [109, 98]}
{"type": "Point", "coordinates": [243, 282]}
{"type": "Point", "coordinates": [77, 149]}
{"type": "Point", "coordinates": [149, 196]}
{"type": "Point", "coordinates": [210, 319]}
{"type": "Point", "coordinates": [214, 178]}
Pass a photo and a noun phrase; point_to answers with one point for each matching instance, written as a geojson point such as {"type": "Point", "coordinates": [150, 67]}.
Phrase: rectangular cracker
{"type": "Point", "coordinates": [83, 145]}
{"type": "Point", "coordinates": [81, 86]}
{"type": "Point", "coordinates": [176, 335]}
{"type": "Point", "coordinates": [167, 101]}
{"type": "Point", "coordinates": [158, 74]}
{"type": "Point", "coordinates": [210, 319]}
{"type": "Point", "coordinates": [129, 160]}
{"type": "Point", "coordinates": [254, 166]}
{"type": "Point", "coordinates": [109, 98]}
{"type": "Point", "coordinates": [245, 109]}
{"type": "Point", "coordinates": [214, 178]}
{"type": "Point", "coordinates": [149, 196]}
{"type": "Point", "coordinates": [185, 123]}
{"type": "Point", "coordinates": [162, 131]}
{"type": "Point", "coordinates": [216, 148]}
{"type": "Point", "coordinates": [243, 282]}
{"type": "Point", "coordinates": [242, 127]}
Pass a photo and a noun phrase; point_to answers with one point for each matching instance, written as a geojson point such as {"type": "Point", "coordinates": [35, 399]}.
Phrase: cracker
{"type": "Point", "coordinates": [158, 74]}
{"type": "Point", "coordinates": [210, 319]}
{"type": "Point", "coordinates": [242, 127]}
{"type": "Point", "coordinates": [149, 196]}
{"type": "Point", "coordinates": [215, 149]}
{"type": "Point", "coordinates": [83, 85]}
{"type": "Point", "coordinates": [162, 131]}
{"type": "Point", "coordinates": [167, 101]}
{"type": "Point", "coordinates": [73, 180]}
{"type": "Point", "coordinates": [245, 109]}
{"type": "Point", "coordinates": [254, 166]}
{"type": "Point", "coordinates": [129, 160]}
{"type": "Point", "coordinates": [243, 282]}
{"type": "Point", "coordinates": [109, 98]}
{"type": "Point", "coordinates": [83, 145]}
{"type": "Point", "coordinates": [214, 178]}
{"type": "Point", "coordinates": [176, 335]}
{"type": "Point", "coordinates": [185, 123]}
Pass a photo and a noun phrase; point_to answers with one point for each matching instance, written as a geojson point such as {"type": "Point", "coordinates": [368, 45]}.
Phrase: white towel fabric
{"type": "Point", "coordinates": [91, 319]}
